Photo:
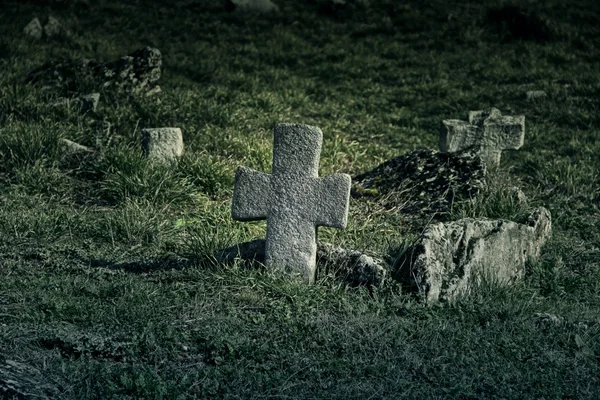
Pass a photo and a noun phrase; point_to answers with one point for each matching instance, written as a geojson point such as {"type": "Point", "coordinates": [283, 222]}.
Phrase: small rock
{"type": "Point", "coordinates": [162, 144]}
{"type": "Point", "coordinates": [518, 195]}
{"type": "Point", "coordinates": [34, 29]}
{"type": "Point", "coordinates": [53, 27]}
{"type": "Point", "coordinates": [256, 6]}
{"type": "Point", "coordinates": [536, 95]}
{"type": "Point", "coordinates": [545, 319]}
{"type": "Point", "coordinates": [89, 102]}
{"type": "Point", "coordinates": [353, 266]}
{"type": "Point", "coordinates": [452, 258]}
{"type": "Point", "coordinates": [70, 147]}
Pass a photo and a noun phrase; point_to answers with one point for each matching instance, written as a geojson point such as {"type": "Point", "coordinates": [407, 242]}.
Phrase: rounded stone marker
{"type": "Point", "coordinates": [162, 144]}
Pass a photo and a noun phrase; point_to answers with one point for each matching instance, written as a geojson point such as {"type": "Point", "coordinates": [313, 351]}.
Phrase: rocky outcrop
{"type": "Point", "coordinates": [423, 181]}
{"type": "Point", "coordinates": [452, 258]}
{"type": "Point", "coordinates": [137, 73]}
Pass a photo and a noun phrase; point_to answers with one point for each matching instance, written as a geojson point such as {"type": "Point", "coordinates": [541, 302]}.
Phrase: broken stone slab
{"type": "Point", "coordinates": [34, 29]}
{"type": "Point", "coordinates": [162, 144]}
{"type": "Point", "coordinates": [355, 267]}
{"type": "Point", "coordinates": [452, 258]}
{"type": "Point", "coordinates": [423, 181]}
{"type": "Point", "coordinates": [251, 6]}
{"type": "Point", "coordinates": [487, 132]}
{"type": "Point", "coordinates": [293, 199]}
{"type": "Point", "coordinates": [536, 95]}
{"type": "Point", "coordinates": [70, 147]}
{"type": "Point", "coordinates": [136, 73]}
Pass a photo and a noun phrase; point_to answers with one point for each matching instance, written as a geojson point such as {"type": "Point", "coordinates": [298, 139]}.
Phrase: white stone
{"type": "Point", "coordinates": [162, 144]}
{"type": "Point", "coordinates": [293, 199]}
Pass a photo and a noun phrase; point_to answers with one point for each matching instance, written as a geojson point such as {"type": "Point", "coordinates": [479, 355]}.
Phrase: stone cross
{"type": "Point", "coordinates": [293, 199]}
{"type": "Point", "coordinates": [487, 132]}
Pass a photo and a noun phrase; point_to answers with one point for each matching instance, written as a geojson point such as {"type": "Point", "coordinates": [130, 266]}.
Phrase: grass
{"type": "Point", "coordinates": [109, 283]}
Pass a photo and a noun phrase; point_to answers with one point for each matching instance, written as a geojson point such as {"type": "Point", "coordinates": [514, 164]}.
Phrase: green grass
{"type": "Point", "coordinates": [109, 282]}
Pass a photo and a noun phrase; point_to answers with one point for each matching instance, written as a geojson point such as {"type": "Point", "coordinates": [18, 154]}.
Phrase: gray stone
{"type": "Point", "coordinates": [536, 95]}
{"type": "Point", "coordinates": [34, 29]}
{"type": "Point", "coordinates": [423, 181]}
{"type": "Point", "coordinates": [136, 73]}
{"type": "Point", "coordinates": [452, 258]}
{"type": "Point", "coordinates": [487, 133]}
{"type": "Point", "coordinates": [53, 27]}
{"type": "Point", "coordinates": [293, 199]}
{"type": "Point", "coordinates": [162, 144]}
{"type": "Point", "coordinates": [256, 6]}
{"type": "Point", "coordinates": [21, 381]}
{"type": "Point", "coordinates": [70, 147]}
{"type": "Point", "coordinates": [354, 267]}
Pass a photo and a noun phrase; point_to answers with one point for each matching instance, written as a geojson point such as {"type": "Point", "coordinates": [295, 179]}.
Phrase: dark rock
{"type": "Point", "coordinates": [136, 73]}
{"type": "Point", "coordinates": [423, 181]}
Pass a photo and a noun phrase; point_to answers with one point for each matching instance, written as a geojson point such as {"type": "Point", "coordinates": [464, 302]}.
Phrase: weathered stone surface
{"type": "Point", "coordinates": [293, 199]}
{"type": "Point", "coordinates": [536, 95]}
{"type": "Point", "coordinates": [21, 381]}
{"type": "Point", "coordinates": [251, 6]}
{"type": "Point", "coordinates": [452, 258]}
{"type": "Point", "coordinates": [162, 144]}
{"type": "Point", "coordinates": [34, 29]}
{"type": "Point", "coordinates": [137, 73]}
{"type": "Point", "coordinates": [53, 27]}
{"type": "Point", "coordinates": [487, 133]}
{"type": "Point", "coordinates": [423, 181]}
{"type": "Point", "coordinates": [354, 267]}
{"type": "Point", "coordinates": [70, 147]}
{"type": "Point", "coordinates": [88, 102]}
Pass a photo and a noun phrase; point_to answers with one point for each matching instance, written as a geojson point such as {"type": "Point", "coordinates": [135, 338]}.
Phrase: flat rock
{"type": "Point", "coordinates": [423, 181]}
{"type": "Point", "coordinates": [34, 29]}
{"type": "Point", "coordinates": [251, 6]}
{"type": "Point", "coordinates": [354, 267]}
{"type": "Point", "coordinates": [452, 258]}
{"type": "Point", "coordinates": [162, 144]}
{"type": "Point", "coordinates": [69, 147]}
{"type": "Point", "coordinates": [136, 73]}
{"type": "Point", "coordinates": [536, 95]}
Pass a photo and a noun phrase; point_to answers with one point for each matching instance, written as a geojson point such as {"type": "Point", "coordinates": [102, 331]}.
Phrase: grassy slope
{"type": "Point", "coordinates": [108, 284]}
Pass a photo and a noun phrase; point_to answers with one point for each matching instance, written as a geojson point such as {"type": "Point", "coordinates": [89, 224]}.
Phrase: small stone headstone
{"type": "Point", "coordinates": [536, 95]}
{"type": "Point", "coordinates": [34, 29]}
{"type": "Point", "coordinates": [293, 199]}
{"type": "Point", "coordinates": [162, 144]}
{"type": "Point", "coordinates": [487, 133]}
{"type": "Point", "coordinates": [53, 27]}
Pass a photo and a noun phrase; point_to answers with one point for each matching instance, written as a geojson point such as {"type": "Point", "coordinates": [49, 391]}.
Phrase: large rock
{"type": "Point", "coordinates": [423, 181]}
{"type": "Point", "coordinates": [453, 258]}
{"type": "Point", "coordinates": [137, 73]}
{"type": "Point", "coordinates": [354, 267]}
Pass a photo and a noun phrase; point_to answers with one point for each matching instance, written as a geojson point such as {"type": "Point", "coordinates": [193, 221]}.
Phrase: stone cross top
{"type": "Point", "coordinates": [487, 132]}
{"type": "Point", "coordinates": [293, 199]}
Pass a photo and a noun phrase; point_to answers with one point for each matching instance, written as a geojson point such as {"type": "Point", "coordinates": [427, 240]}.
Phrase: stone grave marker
{"type": "Point", "coordinates": [487, 132]}
{"type": "Point", "coordinates": [162, 144]}
{"type": "Point", "coordinates": [293, 199]}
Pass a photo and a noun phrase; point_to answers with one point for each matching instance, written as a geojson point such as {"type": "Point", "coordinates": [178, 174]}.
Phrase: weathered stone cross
{"type": "Point", "coordinates": [487, 132]}
{"type": "Point", "coordinates": [293, 199]}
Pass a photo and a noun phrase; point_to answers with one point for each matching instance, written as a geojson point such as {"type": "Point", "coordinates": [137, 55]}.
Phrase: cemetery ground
{"type": "Point", "coordinates": [109, 283]}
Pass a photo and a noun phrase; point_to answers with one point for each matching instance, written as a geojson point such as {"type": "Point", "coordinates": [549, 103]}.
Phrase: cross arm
{"type": "Point", "coordinates": [333, 200]}
{"type": "Point", "coordinates": [250, 195]}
